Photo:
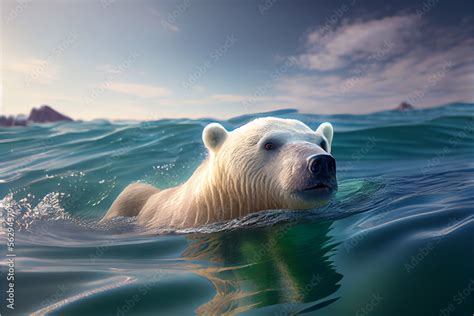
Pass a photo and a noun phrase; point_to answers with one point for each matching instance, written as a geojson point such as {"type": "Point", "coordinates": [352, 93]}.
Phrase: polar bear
{"type": "Point", "coordinates": [268, 163]}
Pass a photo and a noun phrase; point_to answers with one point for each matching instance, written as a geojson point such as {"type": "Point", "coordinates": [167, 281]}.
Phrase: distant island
{"type": "Point", "coordinates": [44, 114]}
{"type": "Point", "coordinates": [404, 106]}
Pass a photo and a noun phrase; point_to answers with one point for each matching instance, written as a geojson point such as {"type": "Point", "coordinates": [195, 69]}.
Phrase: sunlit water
{"type": "Point", "coordinates": [397, 239]}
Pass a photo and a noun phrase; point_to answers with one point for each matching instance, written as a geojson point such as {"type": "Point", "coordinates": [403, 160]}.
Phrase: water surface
{"type": "Point", "coordinates": [396, 240]}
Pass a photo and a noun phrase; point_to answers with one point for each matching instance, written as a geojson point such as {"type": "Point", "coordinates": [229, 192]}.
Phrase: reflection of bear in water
{"type": "Point", "coordinates": [269, 163]}
{"type": "Point", "coordinates": [276, 265]}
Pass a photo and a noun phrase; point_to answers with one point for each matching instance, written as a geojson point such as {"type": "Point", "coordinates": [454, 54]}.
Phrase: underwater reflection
{"type": "Point", "coordinates": [287, 264]}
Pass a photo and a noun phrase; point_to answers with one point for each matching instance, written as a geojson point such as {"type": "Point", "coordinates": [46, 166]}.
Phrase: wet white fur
{"type": "Point", "coordinates": [236, 178]}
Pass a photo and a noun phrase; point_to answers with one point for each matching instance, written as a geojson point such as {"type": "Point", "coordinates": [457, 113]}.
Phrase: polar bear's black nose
{"type": "Point", "coordinates": [322, 164]}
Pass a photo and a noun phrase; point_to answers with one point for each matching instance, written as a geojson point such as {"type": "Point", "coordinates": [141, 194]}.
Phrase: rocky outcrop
{"type": "Point", "coordinates": [404, 106]}
{"type": "Point", "coordinates": [44, 114]}
{"type": "Point", "coordinates": [11, 120]}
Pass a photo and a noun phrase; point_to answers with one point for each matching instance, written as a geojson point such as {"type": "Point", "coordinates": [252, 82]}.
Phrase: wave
{"type": "Point", "coordinates": [405, 200]}
{"type": "Point", "coordinates": [77, 168]}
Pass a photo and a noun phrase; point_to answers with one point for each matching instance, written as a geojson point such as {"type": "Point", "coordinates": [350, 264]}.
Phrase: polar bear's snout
{"type": "Point", "coordinates": [322, 165]}
{"type": "Point", "coordinates": [321, 181]}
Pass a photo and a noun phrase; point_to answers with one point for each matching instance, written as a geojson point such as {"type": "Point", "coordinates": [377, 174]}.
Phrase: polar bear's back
{"type": "Point", "coordinates": [130, 202]}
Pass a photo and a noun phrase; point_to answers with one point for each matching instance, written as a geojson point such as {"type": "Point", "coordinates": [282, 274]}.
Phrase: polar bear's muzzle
{"type": "Point", "coordinates": [320, 181]}
{"type": "Point", "coordinates": [322, 165]}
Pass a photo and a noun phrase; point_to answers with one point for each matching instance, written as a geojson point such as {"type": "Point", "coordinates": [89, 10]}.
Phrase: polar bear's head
{"type": "Point", "coordinates": [272, 163]}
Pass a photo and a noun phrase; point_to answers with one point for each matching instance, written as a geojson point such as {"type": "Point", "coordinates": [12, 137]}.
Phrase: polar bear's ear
{"type": "Point", "coordinates": [214, 136]}
{"type": "Point", "coordinates": [326, 130]}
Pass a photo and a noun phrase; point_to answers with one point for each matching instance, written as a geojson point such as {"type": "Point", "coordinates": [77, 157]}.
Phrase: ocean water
{"type": "Point", "coordinates": [397, 239]}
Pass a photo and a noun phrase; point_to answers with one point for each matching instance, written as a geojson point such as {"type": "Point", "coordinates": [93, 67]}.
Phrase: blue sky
{"type": "Point", "coordinates": [123, 59]}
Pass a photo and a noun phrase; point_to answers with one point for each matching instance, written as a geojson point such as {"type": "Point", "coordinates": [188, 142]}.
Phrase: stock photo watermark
{"type": "Point", "coordinates": [453, 143]}
{"type": "Point", "coordinates": [371, 305]}
{"type": "Point", "coordinates": [42, 67]}
{"type": "Point", "coordinates": [336, 16]}
{"type": "Point", "coordinates": [288, 309]}
{"type": "Point", "coordinates": [459, 298]}
{"type": "Point", "coordinates": [20, 7]}
{"type": "Point", "coordinates": [426, 7]}
{"type": "Point", "coordinates": [364, 69]}
{"type": "Point", "coordinates": [432, 81]}
{"type": "Point", "coordinates": [10, 255]}
{"type": "Point", "coordinates": [116, 72]}
{"type": "Point", "coordinates": [264, 89]}
{"type": "Point", "coordinates": [215, 55]}
{"type": "Point", "coordinates": [142, 291]}
{"type": "Point", "coordinates": [170, 22]}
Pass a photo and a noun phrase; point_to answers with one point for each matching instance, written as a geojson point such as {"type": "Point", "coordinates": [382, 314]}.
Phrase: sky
{"type": "Point", "coordinates": [146, 60]}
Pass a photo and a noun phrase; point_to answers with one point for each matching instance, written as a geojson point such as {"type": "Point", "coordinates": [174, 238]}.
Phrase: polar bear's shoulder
{"type": "Point", "coordinates": [132, 199]}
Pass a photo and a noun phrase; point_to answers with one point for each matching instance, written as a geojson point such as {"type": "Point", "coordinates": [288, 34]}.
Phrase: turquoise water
{"type": "Point", "coordinates": [398, 239]}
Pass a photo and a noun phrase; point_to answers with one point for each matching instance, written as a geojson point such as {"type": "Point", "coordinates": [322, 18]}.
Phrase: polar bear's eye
{"type": "Point", "coordinates": [269, 146]}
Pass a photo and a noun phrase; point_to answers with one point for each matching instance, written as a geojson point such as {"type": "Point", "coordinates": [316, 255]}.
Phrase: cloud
{"type": "Point", "coordinates": [139, 90]}
{"type": "Point", "coordinates": [334, 49]}
{"type": "Point", "coordinates": [34, 70]}
{"type": "Point", "coordinates": [236, 100]}
{"type": "Point", "coordinates": [376, 64]}
{"type": "Point", "coordinates": [231, 98]}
